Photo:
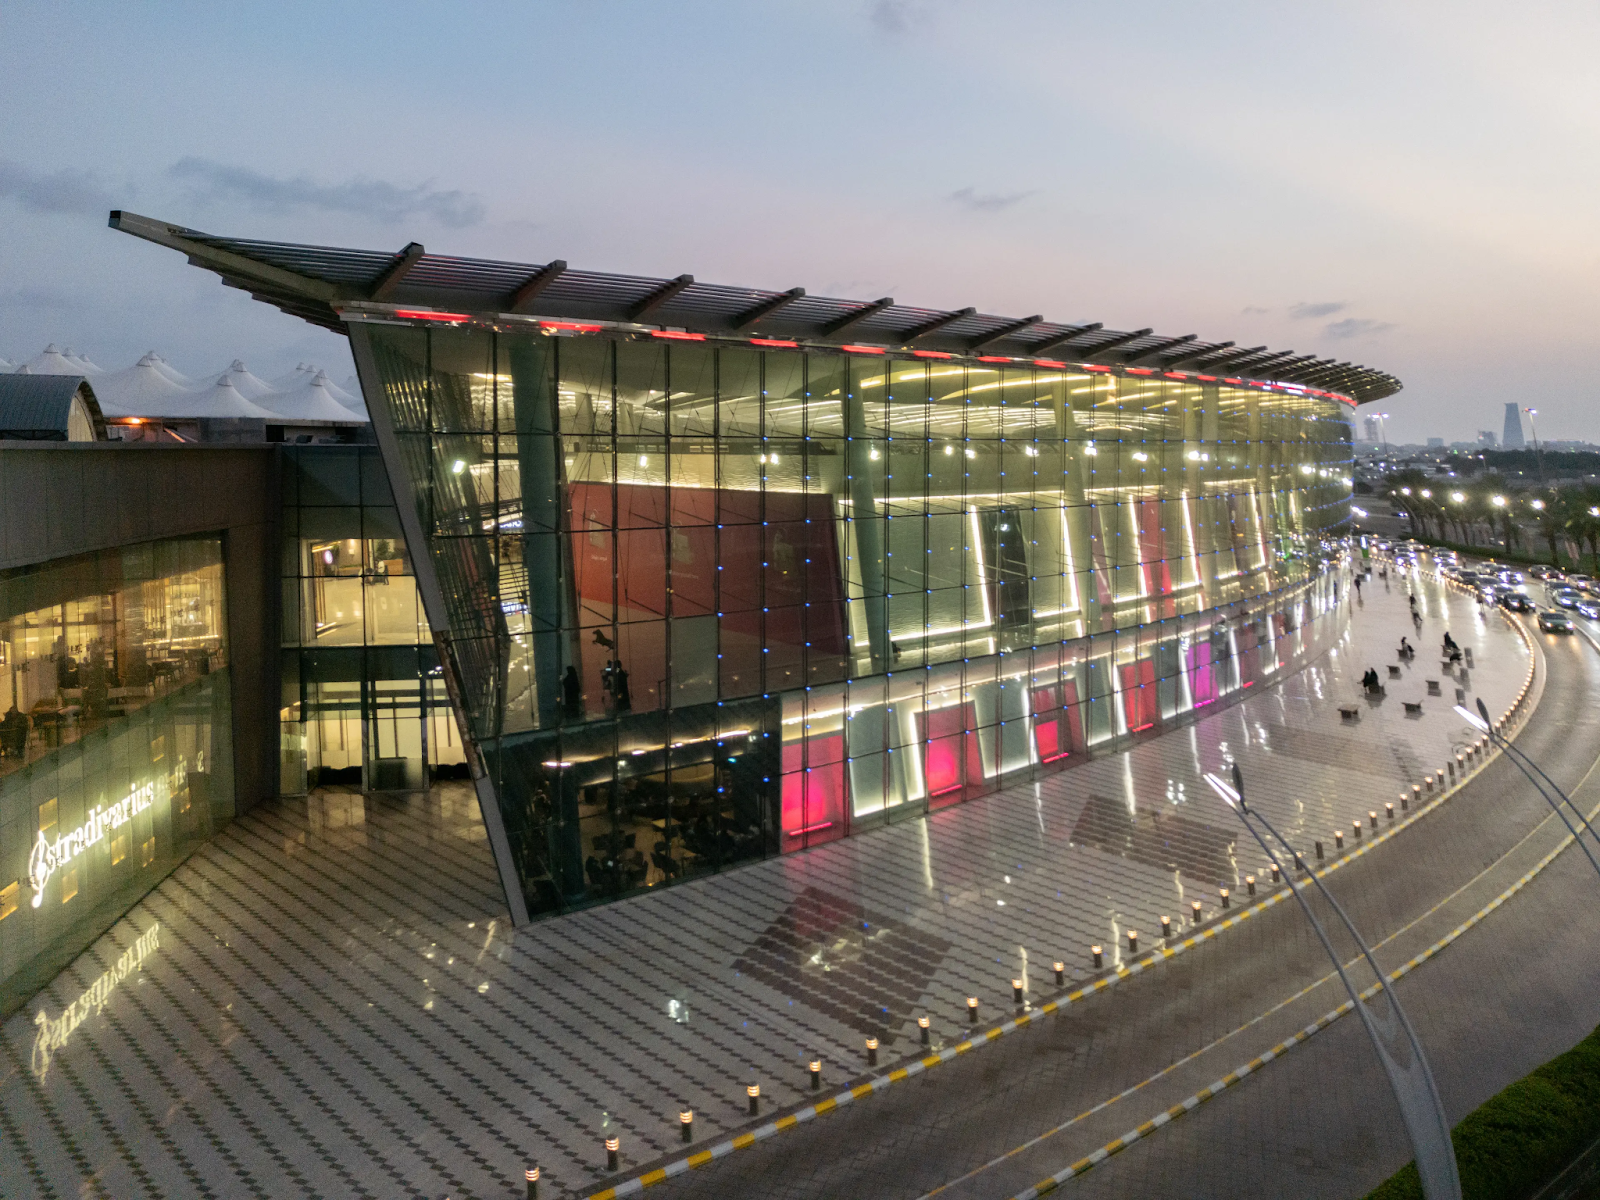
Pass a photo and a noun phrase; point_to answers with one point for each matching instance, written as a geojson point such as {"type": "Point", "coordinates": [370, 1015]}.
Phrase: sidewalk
{"type": "Point", "coordinates": [331, 1004]}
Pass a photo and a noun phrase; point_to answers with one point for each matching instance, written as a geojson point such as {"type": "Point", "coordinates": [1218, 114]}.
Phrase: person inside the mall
{"type": "Point", "coordinates": [1369, 681]}
{"type": "Point", "coordinates": [572, 693]}
{"type": "Point", "coordinates": [1357, 582]}
{"type": "Point", "coordinates": [1406, 648]}
{"type": "Point", "coordinates": [14, 733]}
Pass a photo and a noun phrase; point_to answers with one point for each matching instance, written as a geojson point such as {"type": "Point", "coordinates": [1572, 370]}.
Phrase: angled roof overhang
{"type": "Point", "coordinates": [321, 284]}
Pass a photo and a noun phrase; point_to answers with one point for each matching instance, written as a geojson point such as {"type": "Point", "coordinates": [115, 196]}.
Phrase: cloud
{"type": "Point", "coordinates": [66, 191]}
{"type": "Point", "coordinates": [1323, 308]}
{"type": "Point", "coordinates": [214, 182]}
{"type": "Point", "coordinates": [975, 201]}
{"type": "Point", "coordinates": [1253, 310]}
{"type": "Point", "coordinates": [1354, 327]}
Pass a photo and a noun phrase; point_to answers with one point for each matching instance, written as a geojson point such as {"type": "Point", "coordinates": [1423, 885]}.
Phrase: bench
{"type": "Point", "coordinates": [1413, 708]}
{"type": "Point", "coordinates": [1433, 687]}
{"type": "Point", "coordinates": [1349, 712]}
{"type": "Point", "coordinates": [1394, 671]}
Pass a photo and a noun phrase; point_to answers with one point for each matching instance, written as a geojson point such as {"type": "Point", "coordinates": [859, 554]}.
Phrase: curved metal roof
{"type": "Point", "coordinates": [313, 282]}
{"type": "Point", "coordinates": [38, 407]}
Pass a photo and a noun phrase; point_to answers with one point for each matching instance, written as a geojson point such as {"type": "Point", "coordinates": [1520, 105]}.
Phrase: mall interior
{"type": "Point", "coordinates": [668, 597]}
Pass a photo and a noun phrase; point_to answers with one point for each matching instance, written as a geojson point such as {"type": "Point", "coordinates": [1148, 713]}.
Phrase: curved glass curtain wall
{"type": "Point", "coordinates": [712, 602]}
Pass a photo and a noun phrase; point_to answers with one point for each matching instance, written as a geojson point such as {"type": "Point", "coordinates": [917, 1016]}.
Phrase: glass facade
{"type": "Point", "coordinates": [363, 702]}
{"type": "Point", "coordinates": [115, 746]}
{"type": "Point", "coordinates": [710, 601]}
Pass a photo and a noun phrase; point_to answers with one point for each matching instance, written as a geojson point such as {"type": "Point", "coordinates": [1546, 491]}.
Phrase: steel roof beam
{"type": "Point", "coordinates": [1232, 357]}
{"type": "Point", "coordinates": [1194, 355]}
{"type": "Point", "coordinates": [660, 296]}
{"type": "Point", "coordinates": [394, 275]}
{"type": "Point", "coordinates": [1001, 334]}
{"type": "Point", "coordinates": [855, 317]}
{"type": "Point", "coordinates": [1122, 339]}
{"type": "Point", "coordinates": [536, 283]}
{"type": "Point", "coordinates": [1061, 339]}
{"type": "Point", "coordinates": [1157, 351]}
{"type": "Point", "coordinates": [766, 308]}
{"type": "Point", "coordinates": [933, 326]}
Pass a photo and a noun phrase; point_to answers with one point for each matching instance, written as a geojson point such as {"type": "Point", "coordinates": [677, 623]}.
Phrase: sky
{"type": "Point", "coordinates": [1407, 185]}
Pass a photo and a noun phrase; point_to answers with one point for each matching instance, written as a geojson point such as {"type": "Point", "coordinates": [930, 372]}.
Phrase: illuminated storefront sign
{"type": "Point", "coordinates": [49, 857]}
{"type": "Point", "coordinates": [53, 1035]}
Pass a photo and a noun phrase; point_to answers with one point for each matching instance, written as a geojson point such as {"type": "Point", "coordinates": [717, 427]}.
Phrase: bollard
{"type": "Point", "coordinates": [613, 1153]}
{"type": "Point", "coordinates": [1338, 840]}
{"type": "Point", "coordinates": [972, 1010]}
{"type": "Point", "coordinates": [1194, 912]}
{"type": "Point", "coordinates": [1451, 767]}
{"type": "Point", "coordinates": [1427, 783]}
{"type": "Point", "coordinates": [1166, 928]}
{"type": "Point", "coordinates": [1133, 942]}
{"type": "Point", "coordinates": [815, 1067]}
{"type": "Point", "coordinates": [1388, 811]}
{"type": "Point", "coordinates": [1356, 828]}
{"type": "Point", "coordinates": [872, 1052]}
{"type": "Point", "coordinates": [1094, 951]}
{"type": "Point", "coordinates": [1016, 991]}
{"type": "Point", "coordinates": [1250, 884]}
{"type": "Point", "coordinates": [1372, 819]}
{"type": "Point", "coordinates": [686, 1124]}
{"type": "Point", "coordinates": [1223, 892]}
{"type": "Point", "coordinates": [1416, 792]}
{"type": "Point", "coordinates": [1060, 968]}
{"type": "Point", "coordinates": [927, 1031]}
{"type": "Point", "coordinates": [1277, 873]}
{"type": "Point", "coordinates": [532, 1176]}
{"type": "Point", "coordinates": [754, 1092]}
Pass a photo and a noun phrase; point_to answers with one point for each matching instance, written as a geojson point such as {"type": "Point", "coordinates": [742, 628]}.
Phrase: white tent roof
{"type": "Point", "coordinates": [249, 386]}
{"type": "Point", "coordinates": [297, 378]}
{"type": "Point", "coordinates": [84, 365]}
{"type": "Point", "coordinates": [221, 399]}
{"type": "Point", "coordinates": [167, 369]}
{"type": "Point", "coordinates": [311, 401]}
{"type": "Point", "coordinates": [7, 365]}
{"type": "Point", "coordinates": [50, 361]}
{"type": "Point", "coordinates": [142, 390]}
{"type": "Point", "coordinates": [357, 402]}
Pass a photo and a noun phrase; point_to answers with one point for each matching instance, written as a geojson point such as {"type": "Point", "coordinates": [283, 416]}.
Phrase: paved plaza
{"type": "Point", "coordinates": [327, 999]}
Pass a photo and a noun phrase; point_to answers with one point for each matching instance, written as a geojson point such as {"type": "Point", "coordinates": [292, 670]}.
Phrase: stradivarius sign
{"type": "Point", "coordinates": [49, 857]}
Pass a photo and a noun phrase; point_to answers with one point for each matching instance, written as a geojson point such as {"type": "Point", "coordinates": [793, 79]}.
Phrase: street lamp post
{"type": "Point", "coordinates": [1480, 721]}
{"type": "Point", "coordinates": [1394, 1040]}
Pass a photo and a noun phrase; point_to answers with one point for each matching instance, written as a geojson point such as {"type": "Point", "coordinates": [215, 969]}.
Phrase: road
{"type": "Point", "coordinates": [1519, 988]}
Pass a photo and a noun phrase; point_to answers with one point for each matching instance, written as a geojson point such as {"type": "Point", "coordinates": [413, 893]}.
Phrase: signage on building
{"type": "Point", "coordinates": [49, 857]}
{"type": "Point", "coordinates": [52, 1035]}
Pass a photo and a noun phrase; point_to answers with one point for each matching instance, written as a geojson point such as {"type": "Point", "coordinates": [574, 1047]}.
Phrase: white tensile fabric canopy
{"type": "Point", "coordinates": [221, 399]}
{"type": "Point", "coordinates": [248, 385]}
{"type": "Point", "coordinates": [312, 401]}
{"type": "Point", "coordinates": [142, 390]}
{"type": "Point", "coordinates": [50, 361]}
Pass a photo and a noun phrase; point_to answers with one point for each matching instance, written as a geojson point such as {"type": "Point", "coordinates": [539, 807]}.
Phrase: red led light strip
{"type": "Point", "coordinates": [412, 314]}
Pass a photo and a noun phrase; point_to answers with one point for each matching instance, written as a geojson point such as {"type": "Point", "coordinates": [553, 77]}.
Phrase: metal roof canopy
{"type": "Point", "coordinates": [39, 407]}
{"type": "Point", "coordinates": [312, 282]}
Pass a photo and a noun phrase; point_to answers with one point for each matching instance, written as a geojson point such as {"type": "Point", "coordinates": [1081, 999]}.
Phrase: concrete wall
{"type": "Point", "coordinates": [59, 499]}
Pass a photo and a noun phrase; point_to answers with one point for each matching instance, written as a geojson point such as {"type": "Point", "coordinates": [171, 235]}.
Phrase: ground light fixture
{"type": "Point", "coordinates": [1480, 721]}
{"type": "Point", "coordinates": [1409, 1075]}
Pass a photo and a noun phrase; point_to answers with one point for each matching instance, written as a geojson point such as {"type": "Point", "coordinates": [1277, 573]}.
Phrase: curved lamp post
{"type": "Point", "coordinates": [1480, 721]}
{"type": "Point", "coordinates": [1392, 1037]}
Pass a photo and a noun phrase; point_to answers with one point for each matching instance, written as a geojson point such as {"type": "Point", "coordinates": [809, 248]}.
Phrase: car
{"type": "Point", "coordinates": [1544, 573]}
{"type": "Point", "coordinates": [1517, 602]}
{"type": "Point", "coordinates": [1566, 597]}
{"type": "Point", "coordinates": [1513, 577]}
{"type": "Point", "coordinates": [1553, 620]}
{"type": "Point", "coordinates": [1588, 607]}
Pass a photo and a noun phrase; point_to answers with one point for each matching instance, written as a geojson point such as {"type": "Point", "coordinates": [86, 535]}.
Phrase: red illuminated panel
{"type": "Point", "coordinates": [1140, 701]}
{"type": "Point", "coordinates": [993, 358]}
{"type": "Point", "coordinates": [1140, 371]}
{"type": "Point", "coordinates": [1047, 362]}
{"type": "Point", "coordinates": [570, 326]}
{"type": "Point", "coordinates": [1055, 720]}
{"type": "Point", "coordinates": [412, 314]}
{"type": "Point", "coordinates": [1176, 375]}
{"type": "Point", "coordinates": [776, 343]}
{"type": "Point", "coordinates": [951, 757]}
{"type": "Point", "coordinates": [932, 354]}
{"type": "Point", "coordinates": [813, 805]}
{"type": "Point", "coordinates": [1096, 367]}
{"type": "Point", "coordinates": [862, 349]}
{"type": "Point", "coordinates": [1202, 679]}
{"type": "Point", "coordinates": [677, 335]}
{"type": "Point", "coordinates": [1206, 378]}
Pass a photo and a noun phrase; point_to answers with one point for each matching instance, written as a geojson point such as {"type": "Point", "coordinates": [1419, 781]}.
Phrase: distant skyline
{"type": "Point", "coordinates": [1410, 187]}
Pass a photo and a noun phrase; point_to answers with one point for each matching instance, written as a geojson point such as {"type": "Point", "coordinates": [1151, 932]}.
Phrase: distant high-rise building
{"type": "Point", "coordinates": [1486, 437]}
{"type": "Point", "coordinates": [1511, 439]}
{"type": "Point", "coordinates": [1435, 443]}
